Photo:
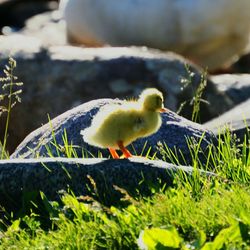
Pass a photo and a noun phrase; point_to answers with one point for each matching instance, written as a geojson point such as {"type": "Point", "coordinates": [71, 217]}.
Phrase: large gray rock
{"type": "Point", "coordinates": [21, 177]}
{"type": "Point", "coordinates": [61, 77]}
{"type": "Point", "coordinates": [235, 86]}
{"type": "Point", "coordinates": [236, 119]}
{"type": "Point", "coordinates": [175, 131]}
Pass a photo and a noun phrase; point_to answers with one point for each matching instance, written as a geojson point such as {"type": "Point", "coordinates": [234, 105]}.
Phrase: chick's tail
{"type": "Point", "coordinates": [87, 136]}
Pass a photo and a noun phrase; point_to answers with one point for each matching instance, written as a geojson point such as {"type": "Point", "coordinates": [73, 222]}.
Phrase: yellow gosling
{"type": "Point", "coordinates": [116, 126]}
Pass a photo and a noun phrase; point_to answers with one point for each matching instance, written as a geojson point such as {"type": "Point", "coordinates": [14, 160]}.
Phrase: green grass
{"type": "Point", "coordinates": [196, 213]}
{"type": "Point", "coordinates": [78, 225]}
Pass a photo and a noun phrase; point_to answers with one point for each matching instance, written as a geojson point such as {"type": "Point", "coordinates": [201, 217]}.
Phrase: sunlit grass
{"type": "Point", "coordinates": [78, 224]}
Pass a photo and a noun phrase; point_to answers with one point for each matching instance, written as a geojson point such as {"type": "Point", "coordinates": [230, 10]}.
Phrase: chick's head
{"type": "Point", "coordinates": [151, 99]}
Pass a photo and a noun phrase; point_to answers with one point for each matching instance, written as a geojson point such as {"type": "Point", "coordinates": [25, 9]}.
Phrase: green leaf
{"type": "Point", "coordinates": [159, 239]}
{"type": "Point", "coordinates": [15, 226]}
{"type": "Point", "coordinates": [224, 237]}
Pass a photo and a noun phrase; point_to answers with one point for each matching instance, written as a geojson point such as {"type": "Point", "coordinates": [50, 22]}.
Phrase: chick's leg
{"type": "Point", "coordinates": [114, 153]}
{"type": "Point", "coordinates": [125, 152]}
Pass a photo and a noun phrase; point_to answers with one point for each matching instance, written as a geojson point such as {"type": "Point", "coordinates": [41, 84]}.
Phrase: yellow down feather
{"type": "Point", "coordinates": [126, 122]}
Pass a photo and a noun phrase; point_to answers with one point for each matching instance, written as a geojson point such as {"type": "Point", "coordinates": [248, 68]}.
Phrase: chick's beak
{"type": "Point", "coordinates": [163, 110]}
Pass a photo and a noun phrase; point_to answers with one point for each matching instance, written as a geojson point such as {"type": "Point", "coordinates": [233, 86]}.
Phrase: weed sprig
{"type": "Point", "coordinates": [9, 96]}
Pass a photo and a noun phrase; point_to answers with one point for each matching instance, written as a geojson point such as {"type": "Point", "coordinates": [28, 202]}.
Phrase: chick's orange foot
{"type": "Point", "coordinates": [126, 153]}
{"type": "Point", "coordinates": [113, 153]}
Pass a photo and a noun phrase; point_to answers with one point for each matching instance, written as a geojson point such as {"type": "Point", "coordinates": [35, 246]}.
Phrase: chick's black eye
{"type": "Point", "coordinates": [159, 100]}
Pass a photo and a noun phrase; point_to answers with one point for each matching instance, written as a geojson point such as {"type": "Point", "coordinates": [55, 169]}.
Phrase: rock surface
{"type": "Point", "coordinates": [58, 78]}
{"type": "Point", "coordinates": [19, 177]}
{"type": "Point", "coordinates": [174, 132]}
{"type": "Point", "coordinates": [235, 86]}
{"type": "Point", "coordinates": [236, 119]}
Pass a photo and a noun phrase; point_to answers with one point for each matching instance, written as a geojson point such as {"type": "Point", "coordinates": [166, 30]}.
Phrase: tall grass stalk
{"type": "Point", "coordinates": [10, 91]}
{"type": "Point", "coordinates": [196, 100]}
